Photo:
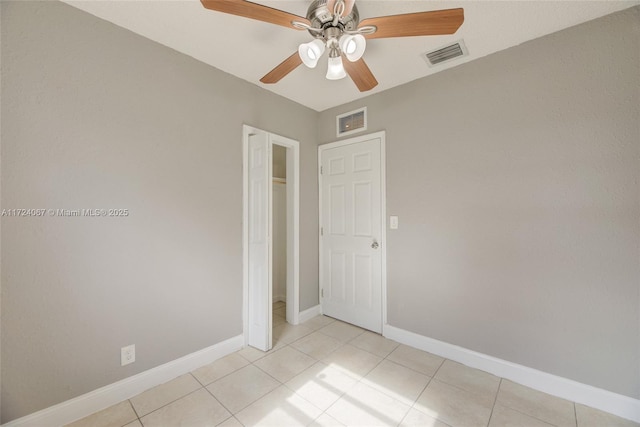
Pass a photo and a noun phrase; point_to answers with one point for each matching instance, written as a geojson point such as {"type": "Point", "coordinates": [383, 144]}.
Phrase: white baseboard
{"type": "Point", "coordinates": [309, 314]}
{"type": "Point", "coordinates": [94, 401]}
{"type": "Point", "coordinates": [617, 404]}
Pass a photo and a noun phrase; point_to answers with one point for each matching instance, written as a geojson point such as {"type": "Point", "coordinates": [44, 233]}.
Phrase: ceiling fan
{"type": "Point", "coordinates": [336, 27]}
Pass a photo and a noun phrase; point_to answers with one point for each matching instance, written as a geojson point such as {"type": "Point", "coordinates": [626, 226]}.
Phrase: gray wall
{"type": "Point", "coordinates": [516, 178]}
{"type": "Point", "coordinates": [279, 161]}
{"type": "Point", "coordinates": [97, 117]}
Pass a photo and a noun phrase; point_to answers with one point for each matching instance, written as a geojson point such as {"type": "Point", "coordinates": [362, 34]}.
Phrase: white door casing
{"type": "Point", "coordinates": [257, 231]}
{"type": "Point", "coordinates": [352, 241]}
{"type": "Point", "coordinates": [259, 223]}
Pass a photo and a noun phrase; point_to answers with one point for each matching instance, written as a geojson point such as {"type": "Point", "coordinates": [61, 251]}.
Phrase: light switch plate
{"type": "Point", "coordinates": [393, 222]}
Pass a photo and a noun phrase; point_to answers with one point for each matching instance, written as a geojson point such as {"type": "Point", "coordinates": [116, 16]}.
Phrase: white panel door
{"type": "Point", "coordinates": [259, 222]}
{"type": "Point", "coordinates": [351, 197]}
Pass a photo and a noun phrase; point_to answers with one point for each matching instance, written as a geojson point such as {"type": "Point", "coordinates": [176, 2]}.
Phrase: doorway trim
{"type": "Point", "coordinates": [383, 207]}
{"type": "Point", "coordinates": [293, 222]}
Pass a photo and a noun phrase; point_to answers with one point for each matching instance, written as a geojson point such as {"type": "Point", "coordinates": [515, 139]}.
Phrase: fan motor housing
{"type": "Point", "coordinates": [321, 18]}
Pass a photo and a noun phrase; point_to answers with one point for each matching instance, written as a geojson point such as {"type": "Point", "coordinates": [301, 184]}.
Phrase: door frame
{"type": "Point", "coordinates": [383, 214]}
{"type": "Point", "coordinates": [293, 222]}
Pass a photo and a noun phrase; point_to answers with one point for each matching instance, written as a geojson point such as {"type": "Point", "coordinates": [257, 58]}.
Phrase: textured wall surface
{"type": "Point", "coordinates": [516, 178]}
{"type": "Point", "coordinates": [97, 117]}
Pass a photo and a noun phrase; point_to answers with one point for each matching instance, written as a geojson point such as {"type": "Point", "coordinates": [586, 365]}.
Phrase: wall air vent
{"type": "Point", "coordinates": [351, 122]}
{"type": "Point", "coordinates": [445, 54]}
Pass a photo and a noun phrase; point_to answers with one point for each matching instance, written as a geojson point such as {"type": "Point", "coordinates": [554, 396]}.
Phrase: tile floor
{"type": "Point", "coordinates": [329, 373]}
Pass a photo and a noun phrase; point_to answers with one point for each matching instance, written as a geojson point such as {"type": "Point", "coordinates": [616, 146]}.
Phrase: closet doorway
{"type": "Point", "coordinates": [279, 233]}
{"type": "Point", "coordinates": [271, 171]}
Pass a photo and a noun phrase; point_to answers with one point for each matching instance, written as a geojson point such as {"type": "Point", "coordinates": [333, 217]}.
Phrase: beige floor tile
{"type": "Point", "coordinates": [542, 406]}
{"type": "Point", "coordinates": [352, 361]}
{"type": "Point", "coordinates": [365, 406]}
{"type": "Point", "coordinates": [218, 369]}
{"type": "Point", "coordinates": [285, 363]}
{"type": "Point", "coordinates": [397, 381]}
{"type": "Point", "coordinates": [281, 312]}
{"type": "Point", "coordinates": [116, 415]}
{"type": "Point", "coordinates": [590, 417]}
{"type": "Point", "coordinates": [342, 331]}
{"type": "Point", "coordinates": [325, 420]}
{"type": "Point", "coordinates": [279, 304]}
{"type": "Point", "coordinates": [453, 406]}
{"type": "Point", "coordinates": [281, 407]}
{"type": "Point", "coordinates": [198, 409]}
{"type": "Point", "coordinates": [416, 418]}
{"type": "Point", "coordinates": [321, 385]}
{"type": "Point", "coordinates": [230, 422]}
{"type": "Point", "coordinates": [289, 333]}
{"type": "Point", "coordinates": [505, 417]}
{"type": "Point", "coordinates": [317, 345]}
{"type": "Point", "coordinates": [243, 387]}
{"type": "Point", "coordinates": [277, 321]}
{"type": "Point", "coordinates": [277, 345]}
{"type": "Point", "coordinates": [318, 322]}
{"type": "Point", "coordinates": [374, 343]}
{"type": "Point", "coordinates": [163, 394]}
{"type": "Point", "coordinates": [415, 359]}
{"type": "Point", "coordinates": [352, 384]}
{"type": "Point", "coordinates": [252, 354]}
{"type": "Point", "coordinates": [469, 379]}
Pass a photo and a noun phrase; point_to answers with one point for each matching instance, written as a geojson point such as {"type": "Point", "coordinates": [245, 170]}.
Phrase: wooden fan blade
{"type": "Point", "coordinates": [285, 67]}
{"type": "Point", "coordinates": [348, 5]}
{"type": "Point", "coordinates": [360, 74]}
{"type": "Point", "coordinates": [416, 24]}
{"type": "Point", "coordinates": [254, 11]}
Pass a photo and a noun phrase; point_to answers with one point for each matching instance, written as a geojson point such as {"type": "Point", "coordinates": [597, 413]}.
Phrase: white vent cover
{"type": "Point", "coordinates": [446, 53]}
{"type": "Point", "coordinates": [351, 122]}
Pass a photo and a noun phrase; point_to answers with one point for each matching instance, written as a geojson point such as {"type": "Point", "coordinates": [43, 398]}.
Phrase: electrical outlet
{"type": "Point", "coordinates": [127, 354]}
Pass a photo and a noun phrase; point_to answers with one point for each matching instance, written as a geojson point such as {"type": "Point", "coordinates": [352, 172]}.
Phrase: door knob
{"type": "Point", "coordinates": [374, 245]}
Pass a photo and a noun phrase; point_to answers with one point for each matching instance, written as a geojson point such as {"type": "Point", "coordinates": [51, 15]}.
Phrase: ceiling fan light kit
{"type": "Point", "coordinates": [336, 27]}
{"type": "Point", "coordinates": [311, 52]}
{"type": "Point", "coordinates": [335, 69]}
{"type": "Point", "coordinates": [353, 46]}
{"type": "Point", "coordinates": [337, 31]}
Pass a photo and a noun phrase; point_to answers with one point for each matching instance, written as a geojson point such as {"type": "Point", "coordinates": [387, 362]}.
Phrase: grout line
{"type": "Point", "coordinates": [134, 410]}
{"type": "Point", "coordinates": [253, 401]}
{"type": "Point", "coordinates": [280, 382]}
{"type": "Point", "coordinates": [495, 400]}
{"type": "Point", "coordinates": [225, 375]}
{"type": "Point", "coordinates": [173, 401]}
{"type": "Point", "coordinates": [221, 404]}
{"type": "Point", "coordinates": [575, 413]}
{"type": "Point", "coordinates": [196, 378]}
{"type": "Point", "coordinates": [528, 415]}
{"type": "Point", "coordinates": [409, 367]}
{"type": "Point", "coordinates": [441, 364]}
{"type": "Point", "coordinates": [413, 405]}
{"type": "Point", "coordinates": [192, 376]}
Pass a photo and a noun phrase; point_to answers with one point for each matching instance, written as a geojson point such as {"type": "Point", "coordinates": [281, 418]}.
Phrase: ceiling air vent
{"type": "Point", "coordinates": [445, 54]}
{"type": "Point", "coordinates": [352, 122]}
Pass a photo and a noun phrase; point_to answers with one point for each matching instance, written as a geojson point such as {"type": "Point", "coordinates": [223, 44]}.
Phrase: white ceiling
{"type": "Point", "coordinates": [249, 49]}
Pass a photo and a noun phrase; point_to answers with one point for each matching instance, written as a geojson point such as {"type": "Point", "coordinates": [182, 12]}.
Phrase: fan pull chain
{"type": "Point", "coordinates": [338, 10]}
